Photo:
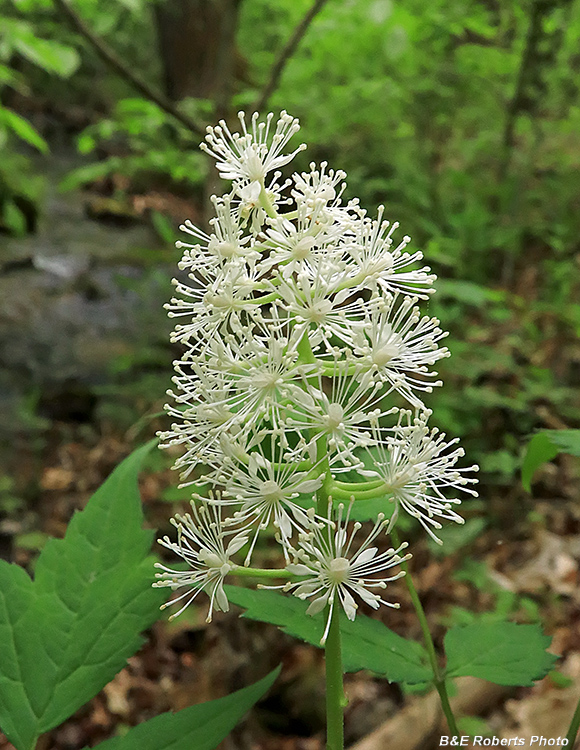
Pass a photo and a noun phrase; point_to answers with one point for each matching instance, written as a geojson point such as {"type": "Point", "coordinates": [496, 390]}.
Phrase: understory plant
{"type": "Point", "coordinates": [299, 398]}
{"type": "Point", "coordinates": [299, 405]}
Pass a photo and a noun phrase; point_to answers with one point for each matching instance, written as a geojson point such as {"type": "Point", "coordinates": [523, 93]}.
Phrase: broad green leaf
{"type": "Point", "coordinates": [545, 446]}
{"type": "Point", "coordinates": [501, 652]}
{"type": "Point", "coordinates": [568, 441]}
{"type": "Point", "coordinates": [366, 643]}
{"type": "Point", "coordinates": [200, 727]}
{"type": "Point", "coordinates": [23, 129]}
{"type": "Point", "coordinates": [65, 635]}
{"type": "Point", "coordinates": [163, 227]}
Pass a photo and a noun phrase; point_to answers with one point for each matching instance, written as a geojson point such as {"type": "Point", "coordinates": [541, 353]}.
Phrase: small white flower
{"type": "Point", "coordinates": [226, 245]}
{"type": "Point", "coordinates": [333, 566]}
{"type": "Point", "coordinates": [248, 157]}
{"type": "Point", "coordinates": [377, 264]}
{"type": "Point", "coordinates": [399, 345]}
{"type": "Point", "coordinates": [315, 303]}
{"type": "Point", "coordinates": [201, 543]}
{"type": "Point", "coordinates": [263, 489]}
{"type": "Point", "coordinates": [303, 244]}
{"type": "Point", "coordinates": [203, 415]}
{"type": "Point", "coordinates": [220, 305]}
{"type": "Point", "coordinates": [342, 414]}
{"type": "Point", "coordinates": [317, 190]}
{"type": "Point", "coordinates": [417, 466]}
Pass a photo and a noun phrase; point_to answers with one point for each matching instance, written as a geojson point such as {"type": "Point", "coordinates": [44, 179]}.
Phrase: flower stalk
{"type": "Point", "coordinates": [335, 697]}
{"type": "Point", "coordinates": [299, 318]}
{"type": "Point", "coordinates": [438, 676]}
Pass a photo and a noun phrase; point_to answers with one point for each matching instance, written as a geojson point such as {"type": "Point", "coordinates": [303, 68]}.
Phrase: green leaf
{"type": "Point", "coordinates": [200, 727]}
{"type": "Point", "coordinates": [501, 652]}
{"type": "Point", "coordinates": [473, 725]}
{"type": "Point", "coordinates": [545, 446]}
{"type": "Point", "coordinates": [366, 643]}
{"type": "Point", "coordinates": [163, 227]}
{"type": "Point", "coordinates": [466, 292]}
{"type": "Point", "coordinates": [12, 218]}
{"type": "Point", "coordinates": [89, 173]}
{"type": "Point", "coordinates": [65, 635]}
{"type": "Point", "coordinates": [23, 129]}
{"type": "Point", "coordinates": [52, 56]}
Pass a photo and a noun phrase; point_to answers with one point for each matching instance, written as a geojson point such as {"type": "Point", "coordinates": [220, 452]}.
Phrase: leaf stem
{"type": "Point", "coordinates": [267, 204]}
{"type": "Point", "coordinates": [241, 570]}
{"type": "Point", "coordinates": [353, 486]}
{"type": "Point", "coordinates": [335, 698]}
{"type": "Point", "coordinates": [438, 676]}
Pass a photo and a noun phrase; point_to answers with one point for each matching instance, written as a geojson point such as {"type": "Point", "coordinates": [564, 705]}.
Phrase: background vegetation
{"type": "Point", "coordinates": [462, 117]}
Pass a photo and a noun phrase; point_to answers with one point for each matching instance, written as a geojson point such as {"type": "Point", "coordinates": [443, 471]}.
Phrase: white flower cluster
{"type": "Point", "coordinates": [299, 317]}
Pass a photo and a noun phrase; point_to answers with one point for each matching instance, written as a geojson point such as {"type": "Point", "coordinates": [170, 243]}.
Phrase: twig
{"type": "Point", "coordinates": [285, 54]}
{"type": "Point", "coordinates": [114, 61]}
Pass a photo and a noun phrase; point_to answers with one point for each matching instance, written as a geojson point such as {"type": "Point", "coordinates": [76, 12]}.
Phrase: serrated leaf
{"type": "Point", "coordinates": [199, 727]}
{"type": "Point", "coordinates": [65, 635]}
{"type": "Point", "coordinates": [366, 643]}
{"type": "Point", "coordinates": [545, 446]}
{"type": "Point", "coordinates": [500, 652]}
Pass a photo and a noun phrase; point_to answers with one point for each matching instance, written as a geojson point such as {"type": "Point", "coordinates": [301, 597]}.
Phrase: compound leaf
{"type": "Point", "coordinates": [366, 643]}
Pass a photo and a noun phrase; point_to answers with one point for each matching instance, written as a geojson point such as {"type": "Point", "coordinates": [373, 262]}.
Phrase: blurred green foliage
{"type": "Point", "coordinates": [462, 117]}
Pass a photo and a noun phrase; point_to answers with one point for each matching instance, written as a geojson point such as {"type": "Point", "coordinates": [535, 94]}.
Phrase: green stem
{"type": "Point", "coordinates": [574, 726]}
{"type": "Point", "coordinates": [241, 570]}
{"type": "Point", "coordinates": [335, 699]}
{"type": "Point", "coordinates": [363, 492]}
{"type": "Point", "coordinates": [348, 486]}
{"type": "Point", "coordinates": [438, 676]}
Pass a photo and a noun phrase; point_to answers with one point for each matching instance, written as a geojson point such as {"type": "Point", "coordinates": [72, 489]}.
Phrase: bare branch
{"type": "Point", "coordinates": [114, 61]}
{"type": "Point", "coordinates": [286, 53]}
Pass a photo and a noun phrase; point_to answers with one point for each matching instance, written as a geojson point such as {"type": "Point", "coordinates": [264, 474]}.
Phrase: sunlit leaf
{"type": "Point", "coordinates": [52, 56]}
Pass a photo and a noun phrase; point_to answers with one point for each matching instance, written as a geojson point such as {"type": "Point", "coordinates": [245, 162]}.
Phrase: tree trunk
{"type": "Point", "coordinates": [197, 45]}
